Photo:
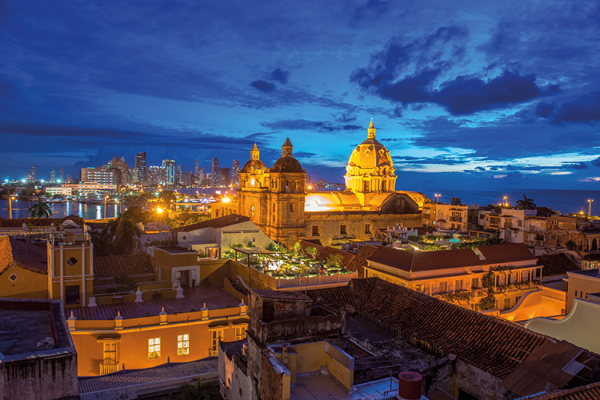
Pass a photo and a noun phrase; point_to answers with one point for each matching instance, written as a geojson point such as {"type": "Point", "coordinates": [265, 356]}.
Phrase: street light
{"type": "Point", "coordinates": [105, 197]}
{"type": "Point", "coordinates": [504, 201]}
{"type": "Point", "coordinates": [159, 210]}
{"type": "Point", "coordinates": [590, 207]}
{"type": "Point", "coordinates": [437, 197]}
{"type": "Point", "coordinates": [10, 199]}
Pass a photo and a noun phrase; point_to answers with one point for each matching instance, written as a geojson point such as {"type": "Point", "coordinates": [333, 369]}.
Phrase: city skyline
{"type": "Point", "coordinates": [495, 94]}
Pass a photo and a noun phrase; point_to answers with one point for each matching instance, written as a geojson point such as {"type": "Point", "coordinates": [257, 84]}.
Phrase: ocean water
{"type": "Point", "coordinates": [565, 201]}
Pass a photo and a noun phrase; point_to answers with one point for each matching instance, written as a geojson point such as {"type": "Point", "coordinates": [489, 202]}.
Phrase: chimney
{"type": "Point", "coordinates": [409, 385]}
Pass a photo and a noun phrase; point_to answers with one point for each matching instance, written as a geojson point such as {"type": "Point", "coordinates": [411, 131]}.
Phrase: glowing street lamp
{"type": "Point", "coordinates": [159, 210]}
{"type": "Point", "coordinates": [10, 207]}
{"type": "Point", "coordinates": [504, 199]}
{"type": "Point", "coordinates": [437, 197]}
{"type": "Point", "coordinates": [590, 207]}
{"type": "Point", "coordinates": [105, 198]}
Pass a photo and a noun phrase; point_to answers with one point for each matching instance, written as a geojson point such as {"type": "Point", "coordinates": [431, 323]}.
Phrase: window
{"type": "Point", "coordinates": [240, 333]}
{"type": "Point", "coordinates": [343, 230]}
{"type": "Point", "coordinates": [292, 207]}
{"type": "Point", "coordinates": [315, 230]}
{"type": "Point", "coordinates": [576, 293]}
{"type": "Point", "coordinates": [475, 283]}
{"type": "Point", "coordinates": [251, 211]}
{"type": "Point", "coordinates": [110, 353]}
{"type": "Point", "coordinates": [13, 277]}
{"type": "Point", "coordinates": [216, 336]}
{"type": "Point", "coordinates": [72, 261]}
{"type": "Point", "coordinates": [426, 211]}
{"type": "Point", "coordinates": [525, 276]}
{"type": "Point", "coordinates": [72, 295]}
{"type": "Point", "coordinates": [153, 349]}
{"type": "Point", "coordinates": [419, 288]}
{"type": "Point", "coordinates": [367, 228]}
{"type": "Point", "coordinates": [459, 284]}
{"type": "Point", "coordinates": [183, 345]}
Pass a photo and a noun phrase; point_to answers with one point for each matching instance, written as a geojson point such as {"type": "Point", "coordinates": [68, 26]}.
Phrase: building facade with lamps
{"type": "Point", "coordinates": [275, 198]}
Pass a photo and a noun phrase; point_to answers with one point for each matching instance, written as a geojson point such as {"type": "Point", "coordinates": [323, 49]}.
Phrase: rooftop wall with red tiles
{"type": "Point", "coordinates": [491, 344]}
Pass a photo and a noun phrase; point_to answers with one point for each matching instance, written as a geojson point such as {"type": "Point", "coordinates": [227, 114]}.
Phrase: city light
{"type": "Point", "coordinates": [226, 200]}
{"type": "Point", "coordinates": [159, 210]}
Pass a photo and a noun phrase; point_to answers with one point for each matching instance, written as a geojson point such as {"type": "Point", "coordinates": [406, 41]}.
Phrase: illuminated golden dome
{"type": "Point", "coordinates": [370, 168]}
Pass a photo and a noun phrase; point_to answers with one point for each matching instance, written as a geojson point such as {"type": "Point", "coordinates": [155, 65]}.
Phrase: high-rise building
{"type": "Point", "coordinates": [52, 175]}
{"type": "Point", "coordinates": [215, 171]}
{"type": "Point", "coordinates": [236, 173]}
{"type": "Point", "coordinates": [196, 167]}
{"type": "Point", "coordinates": [140, 167]}
{"type": "Point", "coordinates": [178, 176]}
{"type": "Point", "coordinates": [225, 176]}
{"type": "Point", "coordinates": [101, 175]}
{"type": "Point", "coordinates": [61, 175]}
{"type": "Point", "coordinates": [169, 165]}
{"type": "Point", "coordinates": [186, 178]}
{"type": "Point", "coordinates": [33, 172]}
{"type": "Point", "coordinates": [200, 176]}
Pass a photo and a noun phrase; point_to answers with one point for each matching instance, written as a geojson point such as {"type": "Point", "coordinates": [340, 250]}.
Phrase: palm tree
{"type": "Point", "coordinates": [40, 210]}
{"type": "Point", "coordinates": [525, 204]}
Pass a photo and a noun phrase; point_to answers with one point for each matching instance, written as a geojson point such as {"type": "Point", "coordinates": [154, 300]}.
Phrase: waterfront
{"type": "Point", "coordinates": [565, 201]}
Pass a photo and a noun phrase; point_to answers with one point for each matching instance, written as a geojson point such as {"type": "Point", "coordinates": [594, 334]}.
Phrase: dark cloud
{"type": "Point", "coordinates": [584, 110]}
{"type": "Point", "coordinates": [580, 165]}
{"type": "Point", "coordinates": [263, 86]}
{"type": "Point", "coordinates": [304, 154]}
{"type": "Point", "coordinates": [596, 162]}
{"type": "Point", "coordinates": [349, 116]}
{"type": "Point", "coordinates": [280, 76]}
{"type": "Point", "coordinates": [302, 124]}
{"type": "Point", "coordinates": [432, 57]}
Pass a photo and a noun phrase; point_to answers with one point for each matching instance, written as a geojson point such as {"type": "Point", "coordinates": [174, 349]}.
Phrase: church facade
{"type": "Point", "coordinates": [276, 200]}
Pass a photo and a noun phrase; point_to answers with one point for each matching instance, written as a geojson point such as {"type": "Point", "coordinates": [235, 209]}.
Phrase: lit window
{"type": "Point", "coordinates": [216, 336]}
{"type": "Point", "coordinates": [183, 345]}
{"type": "Point", "coordinates": [153, 348]}
{"type": "Point", "coordinates": [240, 333]}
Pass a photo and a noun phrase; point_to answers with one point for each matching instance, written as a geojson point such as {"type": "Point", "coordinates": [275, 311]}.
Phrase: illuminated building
{"type": "Point", "coordinates": [276, 201]}
{"type": "Point", "coordinates": [236, 173]}
{"type": "Point", "coordinates": [169, 166]}
{"type": "Point", "coordinates": [140, 166]}
{"type": "Point", "coordinates": [215, 171]}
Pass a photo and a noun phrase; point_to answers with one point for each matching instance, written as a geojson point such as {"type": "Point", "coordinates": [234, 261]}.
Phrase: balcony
{"type": "Point", "coordinates": [69, 240]}
{"type": "Point", "coordinates": [456, 219]}
{"type": "Point", "coordinates": [108, 367]}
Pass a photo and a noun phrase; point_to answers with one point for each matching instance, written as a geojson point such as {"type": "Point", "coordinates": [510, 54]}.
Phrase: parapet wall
{"type": "Point", "coordinates": [300, 329]}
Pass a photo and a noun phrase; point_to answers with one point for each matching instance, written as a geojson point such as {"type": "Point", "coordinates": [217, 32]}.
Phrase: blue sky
{"type": "Point", "coordinates": [464, 94]}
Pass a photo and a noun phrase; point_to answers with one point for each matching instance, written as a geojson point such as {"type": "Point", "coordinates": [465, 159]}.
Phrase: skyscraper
{"type": "Point", "coordinates": [215, 171]}
{"type": "Point", "coordinates": [169, 165]}
{"type": "Point", "coordinates": [61, 175]}
{"type": "Point", "coordinates": [33, 172]}
{"type": "Point", "coordinates": [200, 175]}
{"type": "Point", "coordinates": [236, 173]}
{"type": "Point", "coordinates": [140, 166]}
{"type": "Point", "coordinates": [52, 175]}
{"type": "Point", "coordinates": [196, 167]}
{"type": "Point", "coordinates": [178, 176]}
{"type": "Point", "coordinates": [225, 176]}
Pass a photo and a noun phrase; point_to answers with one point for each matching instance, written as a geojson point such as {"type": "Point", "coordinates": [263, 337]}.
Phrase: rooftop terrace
{"type": "Point", "coordinates": [194, 299]}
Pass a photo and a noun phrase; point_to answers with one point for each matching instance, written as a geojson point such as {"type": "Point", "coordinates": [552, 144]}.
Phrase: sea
{"type": "Point", "coordinates": [564, 201]}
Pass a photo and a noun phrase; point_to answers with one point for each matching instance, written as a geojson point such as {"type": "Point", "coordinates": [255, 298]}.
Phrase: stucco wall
{"type": "Point", "coordinates": [29, 285]}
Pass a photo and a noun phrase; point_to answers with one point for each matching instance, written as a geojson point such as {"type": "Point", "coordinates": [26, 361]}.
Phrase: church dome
{"type": "Point", "coordinates": [370, 168]}
{"type": "Point", "coordinates": [370, 154]}
{"type": "Point", "coordinates": [253, 164]}
{"type": "Point", "coordinates": [287, 163]}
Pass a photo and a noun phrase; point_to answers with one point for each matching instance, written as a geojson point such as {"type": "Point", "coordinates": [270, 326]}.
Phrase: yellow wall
{"type": "Point", "coordinates": [312, 356]}
{"type": "Point", "coordinates": [132, 349]}
{"type": "Point", "coordinates": [29, 285]}
{"type": "Point", "coordinates": [78, 274]}
{"type": "Point", "coordinates": [581, 284]}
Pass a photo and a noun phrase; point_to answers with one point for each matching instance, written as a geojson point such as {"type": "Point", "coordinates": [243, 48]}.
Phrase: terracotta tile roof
{"type": "Point", "coordinates": [337, 297]}
{"type": "Point", "coordinates": [26, 255]}
{"type": "Point", "coordinates": [424, 261]}
{"type": "Point", "coordinates": [557, 264]}
{"type": "Point", "coordinates": [588, 392]}
{"type": "Point", "coordinates": [133, 377]}
{"type": "Point", "coordinates": [280, 295]}
{"type": "Point", "coordinates": [359, 262]}
{"type": "Point", "coordinates": [111, 266]}
{"type": "Point", "coordinates": [17, 223]}
{"type": "Point", "coordinates": [506, 253]}
{"type": "Point", "coordinates": [491, 344]}
{"type": "Point", "coordinates": [214, 297]}
{"type": "Point", "coordinates": [215, 223]}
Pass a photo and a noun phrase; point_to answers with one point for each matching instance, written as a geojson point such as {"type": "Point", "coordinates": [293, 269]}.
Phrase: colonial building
{"type": "Point", "coordinates": [275, 198]}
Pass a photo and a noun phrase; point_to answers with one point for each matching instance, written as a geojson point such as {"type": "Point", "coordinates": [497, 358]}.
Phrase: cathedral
{"type": "Point", "coordinates": [276, 200]}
